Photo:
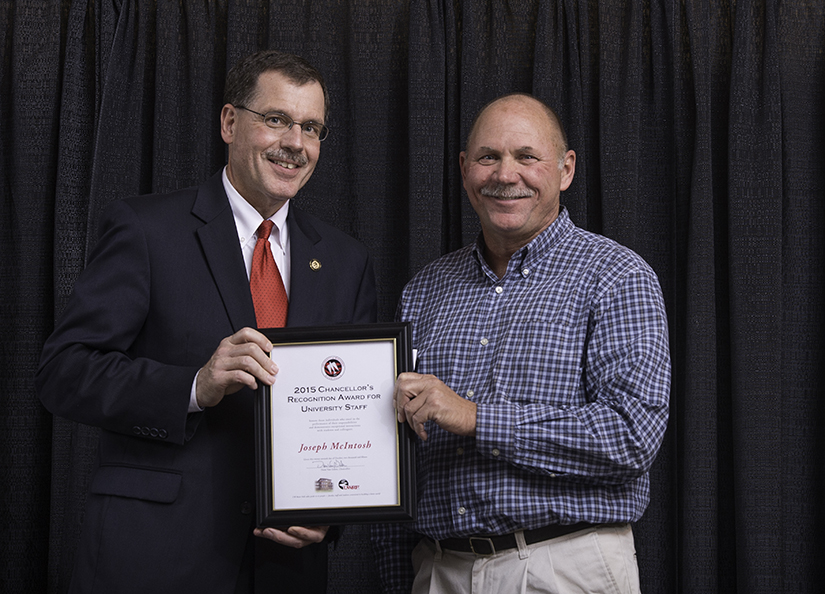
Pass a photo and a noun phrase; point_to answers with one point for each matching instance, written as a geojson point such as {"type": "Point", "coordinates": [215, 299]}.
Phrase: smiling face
{"type": "Point", "coordinates": [511, 172]}
{"type": "Point", "coordinates": [268, 166]}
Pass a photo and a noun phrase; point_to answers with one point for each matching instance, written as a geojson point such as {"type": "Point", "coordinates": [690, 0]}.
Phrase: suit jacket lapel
{"type": "Point", "coordinates": [219, 240]}
{"type": "Point", "coordinates": [306, 281]}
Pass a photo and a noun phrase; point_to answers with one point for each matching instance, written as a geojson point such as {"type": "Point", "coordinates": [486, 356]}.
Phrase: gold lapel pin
{"type": "Point", "coordinates": [314, 264]}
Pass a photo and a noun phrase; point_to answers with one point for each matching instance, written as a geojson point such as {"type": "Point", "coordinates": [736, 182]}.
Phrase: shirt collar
{"type": "Point", "coordinates": [538, 246]}
{"type": "Point", "coordinates": [247, 219]}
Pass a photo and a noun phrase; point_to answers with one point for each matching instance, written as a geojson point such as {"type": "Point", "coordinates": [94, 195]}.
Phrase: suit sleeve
{"type": "Point", "coordinates": [88, 372]}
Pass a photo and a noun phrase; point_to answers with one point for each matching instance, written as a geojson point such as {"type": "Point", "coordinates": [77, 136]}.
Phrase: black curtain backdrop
{"type": "Point", "coordinates": [700, 132]}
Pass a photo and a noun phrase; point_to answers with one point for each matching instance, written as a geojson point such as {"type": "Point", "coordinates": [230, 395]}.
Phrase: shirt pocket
{"type": "Point", "coordinates": [541, 363]}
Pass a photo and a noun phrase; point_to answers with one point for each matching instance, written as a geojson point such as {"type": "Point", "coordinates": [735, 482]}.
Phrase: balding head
{"type": "Point", "coordinates": [560, 137]}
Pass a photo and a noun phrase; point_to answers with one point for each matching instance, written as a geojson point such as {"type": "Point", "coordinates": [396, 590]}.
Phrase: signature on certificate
{"type": "Point", "coordinates": [330, 464]}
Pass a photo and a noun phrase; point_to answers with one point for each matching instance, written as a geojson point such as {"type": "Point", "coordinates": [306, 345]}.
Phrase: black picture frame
{"type": "Point", "coordinates": [268, 513]}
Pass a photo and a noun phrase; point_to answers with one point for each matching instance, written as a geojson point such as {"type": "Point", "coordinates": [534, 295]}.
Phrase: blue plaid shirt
{"type": "Point", "coordinates": [567, 358]}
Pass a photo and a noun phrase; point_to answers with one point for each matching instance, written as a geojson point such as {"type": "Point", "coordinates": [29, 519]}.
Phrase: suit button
{"type": "Point", "coordinates": [144, 431]}
{"type": "Point", "coordinates": [153, 432]}
{"type": "Point", "coordinates": [246, 508]}
{"type": "Point", "coordinates": [162, 433]}
{"type": "Point", "coordinates": [136, 430]}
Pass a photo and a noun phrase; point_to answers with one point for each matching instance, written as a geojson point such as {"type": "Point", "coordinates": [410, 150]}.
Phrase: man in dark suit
{"type": "Point", "coordinates": [158, 347]}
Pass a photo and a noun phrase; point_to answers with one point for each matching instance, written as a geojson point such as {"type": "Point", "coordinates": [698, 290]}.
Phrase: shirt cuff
{"type": "Point", "coordinates": [496, 430]}
{"type": "Point", "coordinates": [193, 397]}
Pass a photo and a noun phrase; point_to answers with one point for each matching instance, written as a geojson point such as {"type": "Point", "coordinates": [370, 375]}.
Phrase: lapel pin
{"type": "Point", "coordinates": [314, 264]}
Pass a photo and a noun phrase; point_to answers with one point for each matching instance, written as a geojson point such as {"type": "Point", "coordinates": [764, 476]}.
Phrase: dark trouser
{"type": "Point", "coordinates": [282, 570]}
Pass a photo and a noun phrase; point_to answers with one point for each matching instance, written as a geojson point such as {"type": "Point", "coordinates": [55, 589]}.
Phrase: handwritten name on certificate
{"type": "Point", "coordinates": [334, 429]}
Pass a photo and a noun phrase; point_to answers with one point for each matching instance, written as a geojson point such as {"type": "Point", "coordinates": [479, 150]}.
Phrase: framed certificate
{"type": "Point", "coordinates": [329, 448]}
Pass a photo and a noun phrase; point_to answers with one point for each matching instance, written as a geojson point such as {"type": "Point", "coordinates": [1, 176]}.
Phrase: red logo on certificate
{"type": "Point", "coordinates": [333, 368]}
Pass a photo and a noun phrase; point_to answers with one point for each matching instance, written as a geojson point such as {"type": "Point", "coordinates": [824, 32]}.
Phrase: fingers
{"type": "Point", "coordinates": [410, 399]}
{"type": "Point", "coordinates": [296, 537]}
{"type": "Point", "coordinates": [408, 388]}
{"type": "Point", "coordinates": [402, 395]}
{"type": "Point", "coordinates": [308, 534]}
{"type": "Point", "coordinates": [251, 356]}
{"type": "Point", "coordinates": [247, 335]}
{"type": "Point", "coordinates": [421, 398]}
{"type": "Point", "coordinates": [240, 360]}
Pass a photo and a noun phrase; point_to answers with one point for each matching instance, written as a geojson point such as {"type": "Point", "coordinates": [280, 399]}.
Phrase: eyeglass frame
{"type": "Point", "coordinates": [322, 135]}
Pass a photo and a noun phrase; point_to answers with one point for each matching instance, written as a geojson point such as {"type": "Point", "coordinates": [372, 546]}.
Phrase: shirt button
{"type": "Point", "coordinates": [461, 511]}
{"type": "Point", "coordinates": [484, 342]}
{"type": "Point", "coordinates": [525, 272]}
{"type": "Point", "coordinates": [495, 452]}
{"type": "Point", "coordinates": [470, 393]}
{"type": "Point", "coordinates": [499, 290]}
{"type": "Point", "coordinates": [460, 451]}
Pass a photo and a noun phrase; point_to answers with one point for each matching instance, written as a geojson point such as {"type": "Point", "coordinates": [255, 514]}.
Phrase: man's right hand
{"type": "Point", "coordinates": [240, 360]}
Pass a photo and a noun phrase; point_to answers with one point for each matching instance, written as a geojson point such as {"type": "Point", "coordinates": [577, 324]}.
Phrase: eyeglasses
{"type": "Point", "coordinates": [280, 121]}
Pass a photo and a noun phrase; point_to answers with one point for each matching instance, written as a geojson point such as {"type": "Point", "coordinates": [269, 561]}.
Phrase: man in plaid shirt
{"type": "Point", "coordinates": [541, 390]}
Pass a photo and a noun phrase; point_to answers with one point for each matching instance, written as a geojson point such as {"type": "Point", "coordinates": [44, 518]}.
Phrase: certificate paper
{"type": "Point", "coordinates": [330, 447]}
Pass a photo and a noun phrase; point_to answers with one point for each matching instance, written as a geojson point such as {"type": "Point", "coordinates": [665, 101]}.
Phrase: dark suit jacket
{"type": "Point", "coordinates": [171, 505]}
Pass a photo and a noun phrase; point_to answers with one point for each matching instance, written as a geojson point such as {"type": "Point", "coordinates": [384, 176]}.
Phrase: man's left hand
{"type": "Point", "coordinates": [296, 537]}
{"type": "Point", "coordinates": [421, 398]}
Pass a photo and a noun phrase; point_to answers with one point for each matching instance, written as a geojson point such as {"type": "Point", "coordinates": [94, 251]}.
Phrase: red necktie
{"type": "Point", "coordinates": [268, 293]}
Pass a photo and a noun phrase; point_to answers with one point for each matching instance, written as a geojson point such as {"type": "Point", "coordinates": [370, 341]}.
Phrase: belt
{"type": "Point", "coordinates": [488, 545]}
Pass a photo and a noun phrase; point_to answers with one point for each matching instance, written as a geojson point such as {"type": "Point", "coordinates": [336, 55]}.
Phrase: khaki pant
{"type": "Point", "coordinates": [594, 560]}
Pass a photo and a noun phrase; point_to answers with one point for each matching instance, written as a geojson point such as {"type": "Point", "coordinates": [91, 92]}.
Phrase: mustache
{"type": "Point", "coordinates": [281, 154]}
{"type": "Point", "coordinates": [506, 191]}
